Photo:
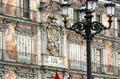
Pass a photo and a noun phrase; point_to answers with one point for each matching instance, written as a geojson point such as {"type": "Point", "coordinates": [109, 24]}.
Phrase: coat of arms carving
{"type": "Point", "coordinates": [53, 34]}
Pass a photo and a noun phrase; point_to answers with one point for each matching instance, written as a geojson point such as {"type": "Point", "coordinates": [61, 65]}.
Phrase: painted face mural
{"type": "Point", "coordinates": [9, 7]}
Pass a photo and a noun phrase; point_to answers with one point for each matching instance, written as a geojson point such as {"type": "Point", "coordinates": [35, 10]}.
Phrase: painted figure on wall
{"type": "Point", "coordinates": [10, 42]}
{"type": "Point", "coordinates": [109, 57]}
{"type": "Point", "coordinates": [35, 9]}
{"type": "Point", "coordinates": [10, 9]}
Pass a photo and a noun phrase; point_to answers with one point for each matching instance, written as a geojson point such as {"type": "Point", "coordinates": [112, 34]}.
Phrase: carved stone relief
{"type": "Point", "coordinates": [75, 40]}
{"type": "Point", "coordinates": [53, 34]}
{"type": "Point", "coordinates": [116, 47]}
{"type": "Point", "coordinates": [98, 45]}
{"type": "Point", "coordinates": [52, 5]}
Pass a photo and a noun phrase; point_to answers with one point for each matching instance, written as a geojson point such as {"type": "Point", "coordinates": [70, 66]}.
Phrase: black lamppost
{"type": "Point", "coordinates": [88, 28]}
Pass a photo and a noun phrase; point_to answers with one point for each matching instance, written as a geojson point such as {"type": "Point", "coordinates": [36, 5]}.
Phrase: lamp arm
{"type": "Point", "coordinates": [110, 22]}
{"type": "Point", "coordinates": [65, 24]}
{"type": "Point", "coordinates": [97, 27]}
{"type": "Point", "coordinates": [78, 28]}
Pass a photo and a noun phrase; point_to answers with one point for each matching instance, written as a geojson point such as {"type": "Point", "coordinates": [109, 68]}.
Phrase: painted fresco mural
{"type": "Point", "coordinates": [109, 57]}
{"type": "Point", "coordinates": [35, 9]}
{"type": "Point", "coordinates": [109, 54]}
{"type": "Point", "coordinates": [35, 49]}
{"type": "Point", "coordinates": [10, 9]}
{"type": "Point", "coordinates": [15, 72]}
{"type": "Point", "coordinates": [11, 46]}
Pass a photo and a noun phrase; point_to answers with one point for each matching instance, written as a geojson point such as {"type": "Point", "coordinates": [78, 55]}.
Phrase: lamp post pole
{"type": "Point", "coordinates": [88, 42]}
{"type": "Point", "coordinates": [88, 28]}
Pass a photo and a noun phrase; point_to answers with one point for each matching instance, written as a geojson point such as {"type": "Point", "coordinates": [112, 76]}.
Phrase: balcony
{"type": "Point", "coordinates": [18, 57]}
{"type": "Point", "coordinates": [78, 65]}
{"type": "Point", "coordinates": [17, 12]}
{"type": "Point", "coordinates": [96, 68]}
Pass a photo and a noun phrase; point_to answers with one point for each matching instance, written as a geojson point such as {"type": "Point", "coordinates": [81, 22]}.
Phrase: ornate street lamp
{"type": "Point", "coordinates": [90, 28]}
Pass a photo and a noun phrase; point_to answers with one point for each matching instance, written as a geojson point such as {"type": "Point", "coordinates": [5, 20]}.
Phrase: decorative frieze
{"type": "Point", "coordinates": [53, 61]}
{"type": "Point", "coordinates": [98, 45]}
{"type": "Point", "coordinates": [117, 13]}
{"type": "Point", "coordinates": [23, 31]}
{"type": "Point", "coordinates": [116, 47]}
{"type": "Point", "coordinates": [100, 8]}
{"type": "Point", "coordinates": [52, 5]}
{"type": "Point", "coordinates": [75, 40]}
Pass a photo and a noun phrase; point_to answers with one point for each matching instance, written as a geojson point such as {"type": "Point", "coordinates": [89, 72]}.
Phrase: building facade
{"type": "Point", "coordinates": [34, 43]}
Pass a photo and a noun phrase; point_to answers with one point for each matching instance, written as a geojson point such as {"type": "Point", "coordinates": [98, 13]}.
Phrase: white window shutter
{"type": "Point", "coordinates": [116, 26]}
{"type": "Point", "coordinates": [93, 51]}
{"type": "Point", "coordinates": [105, 57]}
{"type": "Point", "coordinates": [70, 13]}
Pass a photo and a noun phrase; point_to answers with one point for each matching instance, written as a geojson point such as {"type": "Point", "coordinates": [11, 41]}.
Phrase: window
{"type": "Point", "coordinates": [99, 56]}
{"type": "Point", "coordinates": [76, 15]}
{"type": "Point", "coordinates": [118, 26]}
{"type": "Point", "coordinates": [118, 59]}
{"type": "Point", "coordinates": [26, 8]}
{"type": "Point", "coordinates": [1, 39]}
{"type": "Point", "coordinates": [75, 52]}
{"type": "Point", "coordinates": [24, 44]}
{"type": "Point", "coordinates": [76, 57]}
{"type": "Point", "coordinates": [1, 43]}
{"type": "Point", "coordinates": [98, 18]}
{"type": "Point", "coordinates": [70, 13]}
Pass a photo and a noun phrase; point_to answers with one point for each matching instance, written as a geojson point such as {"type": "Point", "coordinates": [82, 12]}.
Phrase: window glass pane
{"type": "Point", "coordinates": [118, 24]}
{"type": "Point", "coordinates": [26, 4]}
{"type": "Point", "coordinates": [10, 7]}
{"type": "Point", "coordinates": [118, 59]}
{"type": "Point", "coordinates": [98, 18]}
{"type": "Point", "coordinates": [75, 52]}
{"type": "Point", "coordinates": [76, 15]}
{"type": "Point", "coordinates": [26, 8]}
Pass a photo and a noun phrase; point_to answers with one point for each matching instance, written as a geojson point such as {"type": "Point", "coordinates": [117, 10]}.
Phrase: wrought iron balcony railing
{"type": "Point", "coordinates": [18, 57]}
{"type": "Point", "coordinates": [19, 12]}
{"type": "Point", "coordinates": [96, 68]}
